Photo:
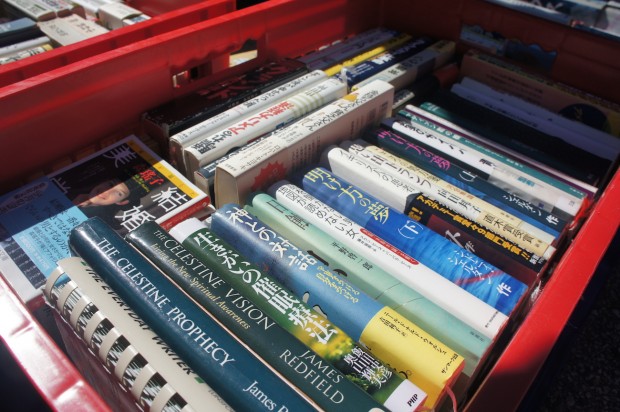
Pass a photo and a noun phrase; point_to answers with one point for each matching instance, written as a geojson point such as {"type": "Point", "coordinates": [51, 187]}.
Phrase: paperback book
{"type": "Point", "coordinates": [125, 184]}
{"type": "Point", "coordinates": [392, 338]}
{"type": "Point", "coordinates": [223, 361]}
{"type": "Point", "coordinates": [134, 355]}
{"type": "Point", "coordinates": [213, 281]}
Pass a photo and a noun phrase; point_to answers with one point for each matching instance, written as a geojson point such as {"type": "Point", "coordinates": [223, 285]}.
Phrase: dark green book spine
{"type": "Point", "coordinates": [238, 375]}
{"type": "Point", "coordinates": [234, 307]}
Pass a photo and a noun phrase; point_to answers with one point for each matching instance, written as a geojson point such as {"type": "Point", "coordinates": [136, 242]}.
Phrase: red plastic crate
{"type": "Point", "coordinates": [49, 115]}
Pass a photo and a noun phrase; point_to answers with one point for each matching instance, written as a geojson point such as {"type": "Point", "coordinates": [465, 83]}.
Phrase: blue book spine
{"type": "Point", "coordinates": [365, 69]}
{"type": "Point", "coordinates": [241, 378]}
{"type": "Point", "coordinates": [426, 158]}
{"type": "Point", "coordinates": [480, 278]}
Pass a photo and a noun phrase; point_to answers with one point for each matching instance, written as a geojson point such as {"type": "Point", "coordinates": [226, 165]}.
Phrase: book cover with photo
{"type": "Point", "coordinates": [124, 184]}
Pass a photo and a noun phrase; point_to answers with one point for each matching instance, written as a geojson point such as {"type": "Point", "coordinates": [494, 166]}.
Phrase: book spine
{"type": "Point", "coordinates": [381, 181]}
{"type": "Point", "coordinates": [388, 335]}
{"type": "Point", "coordinates": [518, 183]}
{"type": "Point", "coordinates": [191, 135]}
{"type": "Point", "coordinates": [8, 51]}
{"type": "Point", "coordinates": [234, 372]}
{"type": "Point", "coordinates": [407, 71]}
{"type": "Point", "coordinates": [372, 280]}
{"type": "Point", "coordinates": [363, 70]}
{"type": "Point", "coordinates": [463, 268]}
{"type": "Point", "coordinates": [517, 261]}
{"type": "Point", "coordinates": [471, 310]}
{"type": "Point", "coordinates": [498, 160]}
{"type": "Point", "coordinates": [347, 48]}
{"type": "Point", "coordinates": [300, 143]}
{"type": "Point", "coordinates": [30, 9]}
{"type": "Point", "coordinates": [141, 340]}
{"type": "Point", "coordinates": [17, 31]}
{"type": "Point", "coordinates": [367, 54]}
{"type": "Point", "coordinates": [265, 121]}
{"type": "Point", "coordinates": [435, 114]}
{"type": "Point", "coordinates": [426, 158]}
{"type": "Point", "coordinates": [215, 279]}
{"type": "Point", "coordinates": [25, 53]}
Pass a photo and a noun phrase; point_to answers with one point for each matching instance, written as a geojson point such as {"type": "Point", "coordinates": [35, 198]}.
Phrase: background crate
{"type": "Point", "coordinates": [51, 114]}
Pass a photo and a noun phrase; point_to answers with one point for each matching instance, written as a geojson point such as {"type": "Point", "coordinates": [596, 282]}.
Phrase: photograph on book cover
{"type": "Point", "coordinates": [125, 184]}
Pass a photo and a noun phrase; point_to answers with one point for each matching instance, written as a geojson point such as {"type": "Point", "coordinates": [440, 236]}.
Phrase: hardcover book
{"type": "Point", "coordinates": [348, 366]}
{"type": "Point", "coordinates": [373, 280]}
{"type": "Point", "coordinates": [481, 317]}
{"type": "Point", "coordinates": [463, 268]}
{"type": "Point", "coordinates": [225, 363]}
{"type": "Point", "coordinates": [125, 184]}
{"type": "Point", "coordinates": [383, 180]}
{"type": "Point", "coordinates": [130, 351]}
{"type": "Point", "coordinates": [213, 281]}
{"type": "Point", "coordinates": [276, 116]}
{"type": "Point", "coordinates": [392, 338]}
{"type": "Point", "coordinates": [192, 134]}
{"type": "Point", "coordinates": [301, 143]}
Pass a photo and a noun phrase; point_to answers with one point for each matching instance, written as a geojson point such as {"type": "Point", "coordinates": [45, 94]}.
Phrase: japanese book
{"type": "Point", "coordinates": [484, 319]}
{"type": "Point", "coordinates": [18, 30]}
{"type": "Point", "coordinates": [28, 8]}
{"type": "Point", "coordinates": [179, 114]}
{"type": "Point", "coordinates": [224, 362]}
{"type": "Point", "coordinates": [475, 135]}
{"type": "Point", "coordinates": [404, 73]}
{"type": "Point", "coordinates": [355, 73]}
{"type": "Point", "coordinates": [463, 268]}
{"type": "Point", "coordinates": [22, 54]}
{"type": "Point", "coordinates": [15, 48]}
{"type": "Point", "coordinates": [555, 96]}
{"type": "Point", "coordinates": [132, 353]}
{"type": "Point", "coordinates": [116, 15]}
{"type": "Point", "coordinates": [348, 48]}
{"type": "Point", "coordinates": [383, 180]}
{"type": "Point", "coordinates": [508, 177]}
{"type": "Point", "coordinates": [372, 280]}
{"type": "Point", "coordinates": [392, 338]}
{"type": "Point", "coordinates": [389, 44]}
{"type": "Point", "coordinates": [70, 29]}
{"type": "Point", "coordinates": [347, 373]}
{"type": "Point", "coordinates": [573, 132]}
{"type": "Point", "coordinates": [301, 142]}
{"type": "Point", "coordinates": [125, 184]}
{"type": "Point", "coordinates": [427, 158]}
{"type": "Point", "coordinates": [221, 141]}
{"type": "Point", "coordinates": [189, 136]}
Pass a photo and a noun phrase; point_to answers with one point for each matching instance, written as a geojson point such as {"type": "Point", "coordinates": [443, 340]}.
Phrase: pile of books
{"type": "Point", "coordinates": [359, 227]}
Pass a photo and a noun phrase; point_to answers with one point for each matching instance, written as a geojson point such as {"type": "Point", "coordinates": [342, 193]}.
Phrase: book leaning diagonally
{"type": "Point", "coordinates": [373, 280]}
{"type": "Point", "coordinates": [221, 141]}
{"type": "Point", "coordinates": [300, 143]}
{"type": "Point", "coordinates": [213, 352]}
{"type": "Point", "coordinates": [480, 316]}
{"type": "Point", "coordinates": [392, 338]}
{"type": "Point", "coordinates": [85, 301]}
{"type": "Point", "coordinates": [189, 136]}
{"type": "Point", "coordinates": [211, 280]}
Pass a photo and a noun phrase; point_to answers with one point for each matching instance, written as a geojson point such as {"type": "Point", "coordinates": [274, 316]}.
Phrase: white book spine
{"type": "Point", "coordinates": [12, 49]}
{"type": "Point", "coordinates": [25, 53]}
{"type": "Point", "coordinates": [265, 121]}
{"type": "Point", "coordinates": [301, 143]}
{"type": "Point", "coordinates": [575, 133]}
{"type": "Point", "coordinates": [518, 158]}
{"type": "Point", "coordinates": [142, 340]}
{"type": "Point", "coordinates": [469, 309]}
{"type": "Point", "coordinates": [187, 137]}
{"type": "Point", "coordinates": [406, 72]}
{"type": "Point", "coordinates": [509, 179]}
{"type": "Point", "coordinates": [32, 9]}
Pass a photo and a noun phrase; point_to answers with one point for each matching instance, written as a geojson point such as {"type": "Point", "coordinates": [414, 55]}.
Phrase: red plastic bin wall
{"type": "Point", "coordinates": [73, 105]}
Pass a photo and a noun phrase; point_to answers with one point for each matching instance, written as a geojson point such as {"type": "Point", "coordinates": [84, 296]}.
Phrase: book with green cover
{"type": "Point", "coordinates": [209, 273]}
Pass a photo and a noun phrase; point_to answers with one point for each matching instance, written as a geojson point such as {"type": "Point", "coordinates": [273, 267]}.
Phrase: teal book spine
{"type": "Point", "coordinates": [212, 279]}
{"type": "Point", "coordinates": [225, 364]}
{"type": "Point", "coordinates": [373, 280]}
